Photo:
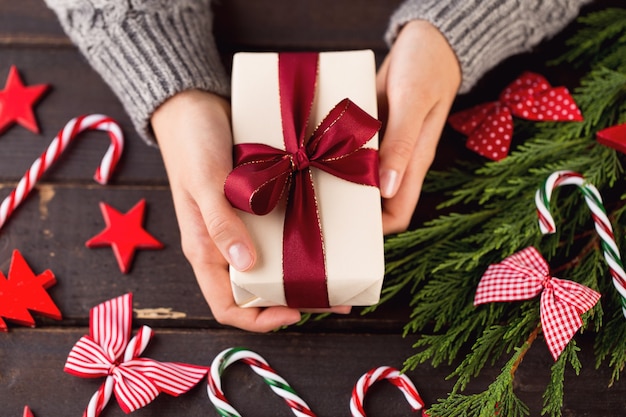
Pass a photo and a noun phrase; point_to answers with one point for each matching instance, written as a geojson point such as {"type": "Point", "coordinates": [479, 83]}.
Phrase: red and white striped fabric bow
{"type": "Point", "coordinates": [525, 275]}
{"type": "Point", "coordinates": [109, 352]}
{"type": "Point", "coordinates": [489, 126]}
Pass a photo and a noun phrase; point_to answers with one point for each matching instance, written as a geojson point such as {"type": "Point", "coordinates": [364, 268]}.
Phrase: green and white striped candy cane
{"type": "Point", "coordinates": [600, 219]}
{"type": "Point", "coordinates": [260, 366]}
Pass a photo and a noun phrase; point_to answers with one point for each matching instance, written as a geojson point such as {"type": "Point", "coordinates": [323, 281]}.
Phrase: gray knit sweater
{"type": "Point", "coordinates": [149, 50]}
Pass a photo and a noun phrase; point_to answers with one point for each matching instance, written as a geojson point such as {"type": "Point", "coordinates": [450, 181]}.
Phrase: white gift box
{"type": "Point", "coordinates": [350, 214]}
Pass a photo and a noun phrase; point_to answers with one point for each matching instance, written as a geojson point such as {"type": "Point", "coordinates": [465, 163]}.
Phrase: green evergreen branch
{"type": "Point", "coordinates": [601, 29]}
{"type": "Point", "coordinates": [610, 344]}
{"type": "Point", "coordinates": [498, 399]}
{"type": "Point", "coordinates": [553, 395]}
{"type": "Point", "coordinates": [600, 97]}
{"type": "Point", "coordinates": [494, 342]}
{"type": "Point", "coordinates": [494, 215]}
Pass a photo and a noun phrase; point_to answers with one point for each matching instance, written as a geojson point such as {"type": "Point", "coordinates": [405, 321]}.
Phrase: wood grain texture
{"type": "Point", "coordinates": [322, 368]}
{"type": "Point", "coordinates": [322, 359]}
{"type": "Point", "coordinates": [64, 217]}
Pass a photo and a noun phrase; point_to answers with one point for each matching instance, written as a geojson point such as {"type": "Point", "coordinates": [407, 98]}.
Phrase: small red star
{"type": "Point", "coordinates": [17, 101]}
{"type": "Point", "coordinates": [27, 412]}
{"type": "Point", "coordinates": [613, 137]}
{"type": "Point", "coordinates": [24, 291]}
{"type": "Point", "coordinates": [124, 233]}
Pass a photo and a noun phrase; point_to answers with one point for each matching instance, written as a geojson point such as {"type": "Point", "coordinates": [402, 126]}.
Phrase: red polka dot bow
{"type": "Point", "coordinates": [489, 126]}
{"type": "Point", "coordinates": [108, 351]}
{"type": "Point", "coordinates": [525, 275]}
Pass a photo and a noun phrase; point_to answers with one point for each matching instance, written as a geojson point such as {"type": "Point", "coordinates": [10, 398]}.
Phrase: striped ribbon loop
{"type": "Point", "coordinates": [108, 351]}
{"type": "Point", "coordinates": [600, 219]}
{"type": "Point", "coordinates": [260, 366]}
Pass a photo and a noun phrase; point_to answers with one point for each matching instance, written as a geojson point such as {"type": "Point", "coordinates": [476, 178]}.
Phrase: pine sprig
{"type": "Point", "coordinates": [490, 214]}
{"type": "Point", "coordinates": [553, 396]}
{"type": "Point", "coordinates": [609, 344]}
{"type": "Point", "coordinates": [498, 399]}
{"type": "Point", "coordinates": [494, 342]}
{"type": "Point", "coordinates": [601, 95]}
{"type": "Point", "coordinates": [602, 30]}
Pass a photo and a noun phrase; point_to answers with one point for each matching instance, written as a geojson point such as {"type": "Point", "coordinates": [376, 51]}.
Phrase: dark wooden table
{"type": "Point", "coordinates": [322, 359]}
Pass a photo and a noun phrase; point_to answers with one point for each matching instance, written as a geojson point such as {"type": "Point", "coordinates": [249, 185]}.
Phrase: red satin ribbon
{"type": "Point", "coordinates": [489, 126]}
{"type": "Point", "coordinates": [262, 174]}
{"type": "Point", "coordinates": [525, 275]}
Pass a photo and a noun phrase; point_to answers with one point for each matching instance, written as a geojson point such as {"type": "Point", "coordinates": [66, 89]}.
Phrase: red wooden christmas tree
{"type": "Point", "coordinates": [24, 291]}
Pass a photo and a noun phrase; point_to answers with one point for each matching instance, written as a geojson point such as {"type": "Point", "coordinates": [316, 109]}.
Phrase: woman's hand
{"type": "Point", "coordinates": [416, 85]}
{"type": "Point", "coordinates": [194, 135]}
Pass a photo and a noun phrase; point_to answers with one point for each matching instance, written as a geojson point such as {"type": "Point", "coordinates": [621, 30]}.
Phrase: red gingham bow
{"type": "Point", "coordinates": [489, 126]}
{"type": "Point", "coordinates": [109, 352]}
{"type": "Point", "coordinates": [524, 275]}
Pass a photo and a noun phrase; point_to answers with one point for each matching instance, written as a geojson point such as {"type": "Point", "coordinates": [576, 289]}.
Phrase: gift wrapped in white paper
{"type": "Point", "coordinates": [350, 214]}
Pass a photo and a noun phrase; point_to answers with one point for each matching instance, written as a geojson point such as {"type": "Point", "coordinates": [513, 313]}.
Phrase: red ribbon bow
{"type": "Point", "coordinates": [109, 352]}
{"type": "Point", "coordinates": [489, 126]}
{"type": "Point", "coordinates": [263, 174]}
{"type": "Point", "coordinates": [524, 275]}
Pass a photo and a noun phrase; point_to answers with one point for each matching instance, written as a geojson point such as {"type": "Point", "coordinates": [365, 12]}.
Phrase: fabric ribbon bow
{"type": "Point", "coordinates": [489, 126]}
{"type": "Point", "coordinates": [263, 174]}
{"type": "Point", "coordinates": [109, 352]}
{"type": "Point", "coordinates": [524, 275]}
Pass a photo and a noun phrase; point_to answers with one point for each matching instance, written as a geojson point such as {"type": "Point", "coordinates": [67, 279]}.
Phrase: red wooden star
{"type": "Point", "coordinates": [613, 137]}
{"type": "Point", "coordinates": [124, 233]}
{"type": "Point", "coordinates": [27, 412]}
{"type": "Point", "coordinates": [17, 101]}
{"type": "Point", "coordinates": [25, 291]}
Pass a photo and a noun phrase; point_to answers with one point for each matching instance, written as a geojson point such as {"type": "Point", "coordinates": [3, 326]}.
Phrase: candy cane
{"type": "Point", "coordinates": [600, 219]}
{"type": "Point", "coordinates": [135, 347]}
{"type": "Point", "coordinates": [100, 399]}
{"type": "Point", "coordinates": [396, 378]}
{"type": "Point", "coordinates": [262, 368]}
{"type": "Point", "coordinates": [71, 130]}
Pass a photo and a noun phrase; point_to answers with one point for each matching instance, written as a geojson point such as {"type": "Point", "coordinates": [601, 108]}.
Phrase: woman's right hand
{"type": "Point", "coordinates": [194, 135]}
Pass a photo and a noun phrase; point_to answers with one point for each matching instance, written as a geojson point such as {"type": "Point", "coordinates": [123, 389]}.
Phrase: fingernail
{"type": "Point", "coordinates": [292, 321]}
{"type": "Point", "coordinates": [388, 182]}
{"type": "Point", "coordinates": [240, 256]}
{"type": "Point", "coordinates": [341, 309]}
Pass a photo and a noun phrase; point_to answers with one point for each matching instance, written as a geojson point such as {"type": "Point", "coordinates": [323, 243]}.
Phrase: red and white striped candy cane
{"type": "Point", "coordinates": [262, 368]}
{"type": "Point", "coordinates": [600, 219]}
{"type": "Point", "coordinates": [394, 376]}
{"type": "Point", "coordinates": [71, 130]}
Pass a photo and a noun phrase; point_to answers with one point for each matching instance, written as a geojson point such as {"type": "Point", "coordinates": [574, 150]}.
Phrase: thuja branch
{"type": "Point", "coordinates": [524, 349]}
{"type": "Point", "coordinates": [490, 215]}
{"type": "Point", "coordinates": [591, 245]}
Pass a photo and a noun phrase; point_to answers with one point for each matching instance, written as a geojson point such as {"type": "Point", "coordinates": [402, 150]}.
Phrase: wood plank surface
{"type": "Point", "coordinates": [322, 368]}
{"type": "Point", "coordinates": [322, 359]}
{"type": "Point", "coordinates": [289, 24]}
{"type": "Point", "coordinates": [75, 90]}
{"type": "Point", "coordinates": [32, 39]}
{"type": "Point", "coordinates": [259, 24]}
{"type": "Point", "coordinates": [64, 217]}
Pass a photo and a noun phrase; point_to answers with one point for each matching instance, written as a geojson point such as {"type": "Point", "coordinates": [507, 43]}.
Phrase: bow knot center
{"type": "Point", "coordinates": [300, 160]}
{"type": "Point", "coordinates": [547, 282]}
{"type": "Point", "coordinates": [114, 366]}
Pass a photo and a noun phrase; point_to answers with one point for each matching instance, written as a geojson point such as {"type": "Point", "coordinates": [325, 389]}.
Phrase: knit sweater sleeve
{"type": "Point", "coordinates": [146, 50]}
{"type": "Point", "coordinates": [483, 33]}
